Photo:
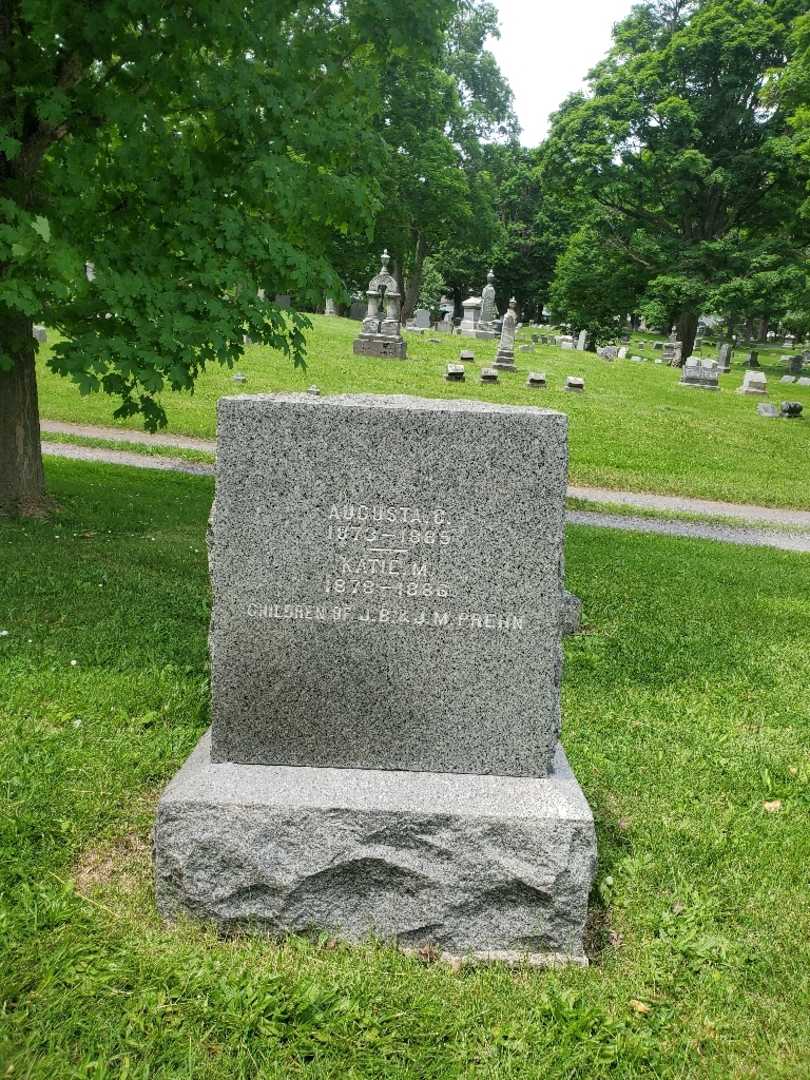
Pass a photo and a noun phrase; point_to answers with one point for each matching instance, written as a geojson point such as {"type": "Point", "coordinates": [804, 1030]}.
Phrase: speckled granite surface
{"type": "Point", "coordinates": [481, 866]}
{"type": "Point", "coordinates": [387, 579]}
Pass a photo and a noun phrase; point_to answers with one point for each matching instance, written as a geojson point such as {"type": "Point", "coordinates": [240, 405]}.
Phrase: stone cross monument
{"type": "Point", "coordinates": [384, 755]}
{"type": "Point", "coordinates": [381, 333]}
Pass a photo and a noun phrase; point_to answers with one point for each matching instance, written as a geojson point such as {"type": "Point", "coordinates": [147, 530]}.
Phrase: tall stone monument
{"type": "Point", "coordinates": [489, 309]}
{"type": "Point", "coordinates": [384, 755]}
{"type": "Point", "coordinates": [381, 334]}
{"type": "Point", "coordinates": [505, 356]}
{"type": "Point", "coordinates": [481, 312]}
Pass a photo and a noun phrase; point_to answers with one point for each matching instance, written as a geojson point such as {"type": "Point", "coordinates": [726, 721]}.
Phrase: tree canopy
{"type": "Point", "coordinates": [162, 164]}
{"type": "Point", "coordinates": [678, 163]}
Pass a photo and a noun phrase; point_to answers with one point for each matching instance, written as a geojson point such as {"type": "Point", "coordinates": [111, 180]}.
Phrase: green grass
{"type": "Point", "coordinates": [686, 704]}
{"type": "Point", "coordinates": [634, 428]}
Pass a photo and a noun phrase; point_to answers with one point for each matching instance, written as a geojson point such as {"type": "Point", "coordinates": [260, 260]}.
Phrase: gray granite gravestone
{"type": "Point", "coordinates": [700, 374]}
{"type": "Point", "coordinates": [582, 341]}
{"type": "Point", "coordinates": [421, 319]}
{"type": "Point", "coordinates": [329, 307]}
{"type": "Point", "coordinates": [724, 357]}
{"type": "Point", "coordinates": [454, 373]}
{"type": "Point", "coordinates": [795, 364]}
{"type": "Point", "coordinates": [384, 755]}
{"type": "Point", "coordinates": [754, 382]}
{"type": "Point", "coordinates": [672, 352]}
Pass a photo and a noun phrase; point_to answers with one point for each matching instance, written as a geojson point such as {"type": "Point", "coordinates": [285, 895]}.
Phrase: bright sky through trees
{"type": "Point", "coordinates": [546, 49]}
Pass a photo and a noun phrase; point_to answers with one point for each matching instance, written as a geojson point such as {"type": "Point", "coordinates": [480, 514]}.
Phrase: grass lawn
{"type": "Point", "coordinates": [634, 428]}
{"type": "Point", "coordinates": [687, 707]}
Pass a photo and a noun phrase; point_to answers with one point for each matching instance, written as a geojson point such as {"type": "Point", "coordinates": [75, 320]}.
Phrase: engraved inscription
{"type": "Point", "coordinates": [386, 551]}
{"type": "Point", "coordinates": [383, 562]}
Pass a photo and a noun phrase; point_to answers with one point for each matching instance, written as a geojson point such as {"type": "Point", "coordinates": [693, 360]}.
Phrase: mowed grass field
{"type": "Point", "coordinates": [686, 719]}
{"type": "Point", "coordinates": [634, 428]}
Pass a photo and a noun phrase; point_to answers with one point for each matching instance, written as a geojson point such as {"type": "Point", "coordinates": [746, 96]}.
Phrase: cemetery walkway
{"type": "Point", "coordinates": [727, 534]}
{"type": "Point", "coordinates": [761, 526]}
{"type": "Point", "coordinates": [763, 515]}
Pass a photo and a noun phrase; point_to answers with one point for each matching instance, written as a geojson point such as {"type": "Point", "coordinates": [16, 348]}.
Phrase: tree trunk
{"type": "Point", "coordinates": [22, 485]}
{"type": "Point", "coordinates": [687, 325]}
{"type": "Point", "coordinates": [414, 284]}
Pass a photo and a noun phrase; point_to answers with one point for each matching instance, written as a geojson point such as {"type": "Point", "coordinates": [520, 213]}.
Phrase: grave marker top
{"type": "Point", "coordinates": [349, 627]}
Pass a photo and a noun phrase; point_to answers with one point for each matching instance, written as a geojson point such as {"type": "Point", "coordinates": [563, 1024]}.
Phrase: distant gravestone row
{"type": "Point", "coordinates": [536, 380]}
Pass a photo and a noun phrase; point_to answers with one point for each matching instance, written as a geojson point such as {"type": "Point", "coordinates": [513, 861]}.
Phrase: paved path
{"type": "Point", "coordinates": [126, 457]}
{"type": "Point", "coordinates": [759, 514]}
{"type": "Point", "coordinates": [117, 434]}
{"type": "Point", "coordinates": [729, 534]}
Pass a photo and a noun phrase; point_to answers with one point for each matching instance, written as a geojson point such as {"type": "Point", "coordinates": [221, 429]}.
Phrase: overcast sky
{"type": "Point", "coordinates": [546, 49]}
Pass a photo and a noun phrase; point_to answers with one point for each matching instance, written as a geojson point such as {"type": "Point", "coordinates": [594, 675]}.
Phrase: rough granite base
{"type": "Point", "coordinates": [480, 867]}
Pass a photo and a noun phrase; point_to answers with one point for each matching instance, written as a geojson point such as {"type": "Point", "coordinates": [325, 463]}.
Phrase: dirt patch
{"type": "Point", "coordinates": [121, 865]}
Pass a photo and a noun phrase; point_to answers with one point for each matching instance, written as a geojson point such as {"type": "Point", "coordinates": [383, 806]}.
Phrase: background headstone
{"type": "Point", "coordinates": [421, 319]}
{"type": "Point", "coordinates": [702, 374]}
{"type": "Point", "coordinates": [754, 382]}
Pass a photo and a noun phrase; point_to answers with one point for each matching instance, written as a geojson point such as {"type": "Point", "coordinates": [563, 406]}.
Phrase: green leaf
{"type": "Point", "coordinates": [41, 226]}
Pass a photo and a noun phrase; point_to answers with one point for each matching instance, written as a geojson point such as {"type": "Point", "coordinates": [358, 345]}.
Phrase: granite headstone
{"type": "Point", "coordinates": [385, 756]}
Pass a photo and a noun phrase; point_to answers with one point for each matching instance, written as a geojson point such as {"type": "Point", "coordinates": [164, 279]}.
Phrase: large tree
{"type": "Point", "coordinates": [439, 115]}
{"type": "Point", "coordinates": [672, 156]}
{"type": "Point", "coordinates": [161, 163]}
